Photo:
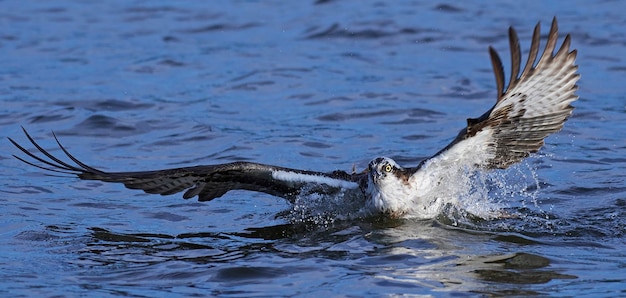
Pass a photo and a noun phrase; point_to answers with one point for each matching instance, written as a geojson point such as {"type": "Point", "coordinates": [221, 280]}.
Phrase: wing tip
{"type": "Point", "coordinates": [498, 71]}
{"type": "Point", "coordinates": [546, 57]}
{"type": "Point", "coordinates": [55, 163]}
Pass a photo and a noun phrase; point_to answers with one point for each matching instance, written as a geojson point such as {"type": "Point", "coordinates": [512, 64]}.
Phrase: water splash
{"type": "Point", "coordinates": [312, 207]}
{"type": "Point", "coordinates": [514, 195]}
{"type": "Point", "coordinates": [495, 200]}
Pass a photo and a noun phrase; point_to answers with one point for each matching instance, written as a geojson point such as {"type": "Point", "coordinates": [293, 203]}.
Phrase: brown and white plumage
{"type": "Point", "coordinates": [534, 105]}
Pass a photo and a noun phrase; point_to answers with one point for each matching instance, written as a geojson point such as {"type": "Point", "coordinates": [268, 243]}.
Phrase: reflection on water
{"type": "Point", "coordinates": [398, 253]}
{"type": "Point", "coordinates": [388, 255]}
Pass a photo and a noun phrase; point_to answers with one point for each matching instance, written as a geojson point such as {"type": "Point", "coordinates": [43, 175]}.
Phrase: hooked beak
{"type": "Point", "coordinates": [375, 174]}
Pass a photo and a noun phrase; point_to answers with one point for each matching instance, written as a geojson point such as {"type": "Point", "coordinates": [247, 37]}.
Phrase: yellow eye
{"type": "Point", "coordinates": [388, 168]}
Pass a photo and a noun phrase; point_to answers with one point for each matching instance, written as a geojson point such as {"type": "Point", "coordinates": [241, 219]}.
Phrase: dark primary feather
{"type": "Point", "coordinates": [207, 181]}
{"type": "Point", "coordinates": [534, 105]}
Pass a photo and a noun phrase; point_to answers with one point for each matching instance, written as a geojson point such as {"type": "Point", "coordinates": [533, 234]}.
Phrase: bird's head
{"type": "Point", "coordinates": [382, 169]}
{"type": "Point", "coordinates": [388, 186]}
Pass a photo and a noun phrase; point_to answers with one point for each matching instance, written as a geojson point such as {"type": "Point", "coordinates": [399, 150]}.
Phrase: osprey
{"type": "Point", "coordinates": [534, 105]}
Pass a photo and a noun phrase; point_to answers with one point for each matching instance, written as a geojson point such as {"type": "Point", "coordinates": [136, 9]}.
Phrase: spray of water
{"type": "Point", "coordinates": [466, 197]}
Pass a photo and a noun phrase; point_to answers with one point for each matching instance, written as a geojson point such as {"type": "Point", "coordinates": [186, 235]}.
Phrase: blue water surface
{"type": "Point", "coordinates": [319, 85]}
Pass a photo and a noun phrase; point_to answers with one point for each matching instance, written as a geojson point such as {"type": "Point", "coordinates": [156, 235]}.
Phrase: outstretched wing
{"type": "Point", "coordinates": [208, 181]}
{"type": "Point", "coordinates": [534, 105]}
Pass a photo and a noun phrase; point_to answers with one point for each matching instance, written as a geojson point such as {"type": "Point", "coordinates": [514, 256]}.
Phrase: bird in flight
{"type": "Point", "coordinates": [534, 105]}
